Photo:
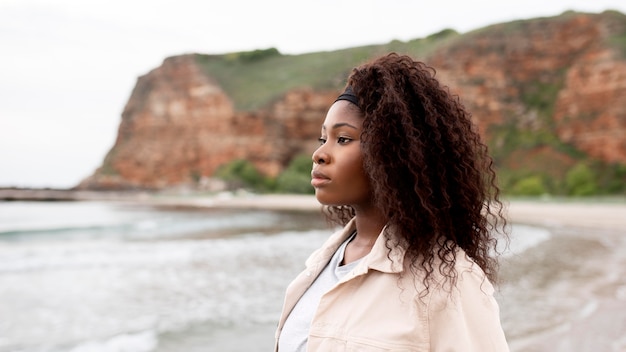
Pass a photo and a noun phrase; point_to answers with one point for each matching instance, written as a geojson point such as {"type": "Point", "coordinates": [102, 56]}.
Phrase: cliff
{"type": "Point", "coordinates": [179, 126]}
{"type": "Point", "coordinates": [546, 94]}
{"type": "Point", "coordinates": [557, 83]}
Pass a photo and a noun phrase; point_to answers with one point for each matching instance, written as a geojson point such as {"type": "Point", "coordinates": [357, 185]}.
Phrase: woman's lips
{"type": "Point", "coordinates": [318, 179]}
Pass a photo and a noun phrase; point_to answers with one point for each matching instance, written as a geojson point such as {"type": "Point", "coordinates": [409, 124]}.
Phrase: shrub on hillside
{"type": "Point", "coordinates": [580, 181]}
{"type": "Point", "coordinates": [529, 186]}
{"type": "Point", "coordinates": [297, 176]}
{"type": "Point", "coordinates": [243, 174]}
{"type": "Point", "coordinates": [257, 55]}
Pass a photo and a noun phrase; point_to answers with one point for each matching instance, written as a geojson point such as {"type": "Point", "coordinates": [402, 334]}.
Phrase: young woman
{"type": "Point", "coordinates": [402, 168]}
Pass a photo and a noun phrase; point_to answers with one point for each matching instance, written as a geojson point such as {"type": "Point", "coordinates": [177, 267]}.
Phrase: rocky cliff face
{"type": "Point", "coordinates": [533, 87]}
{"type": "Point", "coordinates": [179, 126]}
{"type": "Point", "coordinates": [553, 77]}
{"type": "Point", "coordinates": [590, 110]}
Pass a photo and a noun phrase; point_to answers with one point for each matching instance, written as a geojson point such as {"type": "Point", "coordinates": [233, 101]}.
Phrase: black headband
{"type": "Point", "coordinates": [349, 96]}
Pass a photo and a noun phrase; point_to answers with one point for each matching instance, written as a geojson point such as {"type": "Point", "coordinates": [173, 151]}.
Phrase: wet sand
{"type": "Point", "coordinates": [583, 273]}
{"type": "Point", "coordinates": [582, 214]}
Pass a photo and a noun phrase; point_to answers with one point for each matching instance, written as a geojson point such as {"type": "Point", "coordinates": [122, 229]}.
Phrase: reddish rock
{"type": "Point", "coordinates": [178, 127]}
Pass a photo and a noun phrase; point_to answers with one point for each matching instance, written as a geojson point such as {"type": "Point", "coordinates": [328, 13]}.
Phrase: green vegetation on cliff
{"type": "Point", "coordinates": [254, 79]}
{"type": "Point", "coordinates": [296, 178]}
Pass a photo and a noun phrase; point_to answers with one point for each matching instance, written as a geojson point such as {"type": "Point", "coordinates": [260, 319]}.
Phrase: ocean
{"type": "Point", "coordinates": [115, 277]}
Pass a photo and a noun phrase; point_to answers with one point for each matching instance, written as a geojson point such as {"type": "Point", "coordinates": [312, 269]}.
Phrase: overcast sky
{"type": "Point", "coordinates": [67, 67]}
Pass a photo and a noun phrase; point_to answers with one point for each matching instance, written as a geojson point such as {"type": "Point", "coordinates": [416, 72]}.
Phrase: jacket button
{"type": "Point", "coordinates": [308, 273]}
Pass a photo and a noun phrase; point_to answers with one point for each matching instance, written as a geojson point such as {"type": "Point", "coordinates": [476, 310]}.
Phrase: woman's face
{"type": "Point", "coordinates": [338, 175]}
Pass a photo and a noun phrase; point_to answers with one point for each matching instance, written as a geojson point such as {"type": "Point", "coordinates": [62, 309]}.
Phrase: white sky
{"type": "Point", "coordinates": [67, 67]}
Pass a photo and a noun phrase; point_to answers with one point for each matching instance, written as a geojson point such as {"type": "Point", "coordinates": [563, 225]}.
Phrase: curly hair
{"type": "Point", "coordinates": [431, 174]}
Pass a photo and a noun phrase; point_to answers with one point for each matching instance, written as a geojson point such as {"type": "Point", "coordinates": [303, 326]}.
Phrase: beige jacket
{"type": "Point", "coordinates": [370, 310]}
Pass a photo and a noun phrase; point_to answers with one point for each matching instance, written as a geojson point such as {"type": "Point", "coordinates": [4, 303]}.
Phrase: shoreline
{"type": "Point", "coordinates": [550, 213]}
{"type": "Point", "coordinates": [577, 213]}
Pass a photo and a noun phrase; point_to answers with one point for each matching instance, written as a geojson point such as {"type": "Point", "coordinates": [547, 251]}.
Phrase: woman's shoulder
{"type": "Point", "coordinates": [464, 279]}
{"type": "Point", "coordinates": [466, 266]}
{"type": "Point", "coordinates": [459, 274]}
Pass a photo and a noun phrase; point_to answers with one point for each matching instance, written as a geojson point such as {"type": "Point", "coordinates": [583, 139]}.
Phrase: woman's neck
{"type": "Point", "coordinates": [369, 224]}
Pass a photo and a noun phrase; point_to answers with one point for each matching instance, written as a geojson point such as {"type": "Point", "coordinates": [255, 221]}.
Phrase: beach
{"type": "Point", "coordinates": [569, 292]}
{"type": "Point", "coordinates": [585, 235]}
{"type": "Point", "coordinates": [173, 272]}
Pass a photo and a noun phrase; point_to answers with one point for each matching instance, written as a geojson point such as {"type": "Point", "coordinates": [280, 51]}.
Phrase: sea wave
{"type": "Point", "coordinates": [524, 237]}
{"type": "Point", "coordinates": [144, 341]}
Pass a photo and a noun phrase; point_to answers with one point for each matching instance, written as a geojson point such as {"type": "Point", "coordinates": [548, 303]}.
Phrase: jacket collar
{"type": "Point", "coordinates": [380, 257]}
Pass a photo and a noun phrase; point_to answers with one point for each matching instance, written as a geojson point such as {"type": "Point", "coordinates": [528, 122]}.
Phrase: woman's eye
{"type": "Point", "coordinates": [343, 140]}
{"type": "Point", "coordinates": [321, 140]}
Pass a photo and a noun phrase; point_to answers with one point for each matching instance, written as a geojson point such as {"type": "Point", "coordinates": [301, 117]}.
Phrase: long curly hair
{"type": "Point", "coordinates": [431, 174]}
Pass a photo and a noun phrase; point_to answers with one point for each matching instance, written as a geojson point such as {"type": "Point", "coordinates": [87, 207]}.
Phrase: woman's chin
{"type": "Point", "coordinates": [322, 199]}
{"type": "Point", "coordinates": [327, 201]}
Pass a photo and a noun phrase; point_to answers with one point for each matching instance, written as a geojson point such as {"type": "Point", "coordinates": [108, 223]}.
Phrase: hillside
{"type": "Point", "coordinates": [547, 95]}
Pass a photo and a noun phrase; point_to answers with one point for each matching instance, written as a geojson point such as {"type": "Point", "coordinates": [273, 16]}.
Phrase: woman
{"type": "Point", "coordinates": [403, 169]}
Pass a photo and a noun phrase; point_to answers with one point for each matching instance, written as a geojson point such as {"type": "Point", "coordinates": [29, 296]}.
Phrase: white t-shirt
{"type": "Point", "coordinates": [295, 332]}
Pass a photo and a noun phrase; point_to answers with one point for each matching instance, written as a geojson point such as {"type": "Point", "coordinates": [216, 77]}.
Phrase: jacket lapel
{"type": "Point", "coordinates": [379, 259]}
{"type": "Point", "coordinates": [314, 266]}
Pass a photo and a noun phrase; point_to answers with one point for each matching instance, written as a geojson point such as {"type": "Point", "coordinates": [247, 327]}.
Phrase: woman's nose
{"type": "Point", "coordinates": [319, 156]}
